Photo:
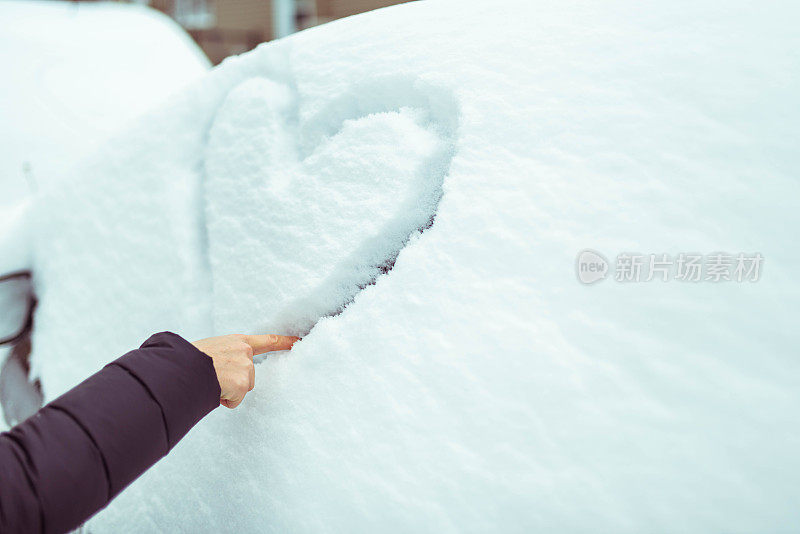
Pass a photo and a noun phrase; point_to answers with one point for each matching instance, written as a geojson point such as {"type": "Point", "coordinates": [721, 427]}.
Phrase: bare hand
{"type": "Point", "coordinates": [233, 361]}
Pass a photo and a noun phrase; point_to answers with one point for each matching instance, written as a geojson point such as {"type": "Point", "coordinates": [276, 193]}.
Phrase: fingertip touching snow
{"type": "Point", "coordinates": [477, 384]}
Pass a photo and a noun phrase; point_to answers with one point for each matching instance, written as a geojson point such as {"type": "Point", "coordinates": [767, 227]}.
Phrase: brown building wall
{"type": "Point", "coordinates": [244, 15]}
{"type": "Point", "coordinates": [162, 5]}
{"type": "Point", "coordinates": [335, 9]}
{"type": "Point", "coordinates": [240, 25]}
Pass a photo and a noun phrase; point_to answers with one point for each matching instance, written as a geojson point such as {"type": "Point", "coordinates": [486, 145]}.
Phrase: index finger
{"type": "Point", "coordinates": [262, 343]}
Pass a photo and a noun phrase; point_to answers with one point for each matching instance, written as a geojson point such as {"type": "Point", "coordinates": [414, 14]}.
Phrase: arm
{"type": "Point", "coordinates": [77, 453]}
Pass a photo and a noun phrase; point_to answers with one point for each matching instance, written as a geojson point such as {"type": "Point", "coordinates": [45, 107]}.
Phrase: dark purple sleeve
{"type": "Point", "coordinates": [73, 456]}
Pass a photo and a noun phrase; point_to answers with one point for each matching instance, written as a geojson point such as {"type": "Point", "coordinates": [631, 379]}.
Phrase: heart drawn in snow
{"type": "Point", "coordinates": [294, 234]}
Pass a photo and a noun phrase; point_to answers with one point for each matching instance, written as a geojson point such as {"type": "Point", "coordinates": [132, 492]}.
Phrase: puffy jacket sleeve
{"type": "Point", "coordinates": [73, 456]}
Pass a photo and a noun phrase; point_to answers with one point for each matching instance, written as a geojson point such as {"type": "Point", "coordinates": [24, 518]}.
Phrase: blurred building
{"type": "Point", "coordinates": [226, 27]}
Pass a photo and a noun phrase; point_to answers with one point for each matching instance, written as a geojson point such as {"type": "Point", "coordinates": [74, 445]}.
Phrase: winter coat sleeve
{"type": "Point", "coordinates": [73, 456]}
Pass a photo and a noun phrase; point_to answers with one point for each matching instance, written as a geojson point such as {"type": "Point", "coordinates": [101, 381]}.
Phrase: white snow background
{"type": "Point", "coordinates": [73, 73]}
{"type": "Point", "coordinates": [477, 386]}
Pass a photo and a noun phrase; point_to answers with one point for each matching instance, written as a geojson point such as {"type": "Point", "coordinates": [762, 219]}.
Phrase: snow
{"type": "Point", "coordinates": [478, 385]}
{"type": "Point", "coordinates": [74, 73]}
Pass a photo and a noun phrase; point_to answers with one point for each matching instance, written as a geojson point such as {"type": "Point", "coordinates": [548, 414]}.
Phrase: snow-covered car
{"type": "Point", "coordinates": [409, 189]}
{"type": "Point", "coordinates": [73, 73]}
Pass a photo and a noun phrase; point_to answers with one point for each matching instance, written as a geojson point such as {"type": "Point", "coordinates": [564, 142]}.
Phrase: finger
{"type": "Point", "coordinates": [229, 404]}
{"type": "Point", "coordinates": [252, 377]}
{"type": "Point", "coordinates": [269, 342]}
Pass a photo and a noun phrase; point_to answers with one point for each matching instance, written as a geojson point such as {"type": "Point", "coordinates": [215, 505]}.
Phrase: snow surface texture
{"type": "Point", "coordinates": [73, 73]}
{"type": "Point", "coordinates": [477, 386]}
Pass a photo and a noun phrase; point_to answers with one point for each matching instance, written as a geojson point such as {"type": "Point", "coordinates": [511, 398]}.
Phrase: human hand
{"type": "Point", "coordinates": [233, 361]}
